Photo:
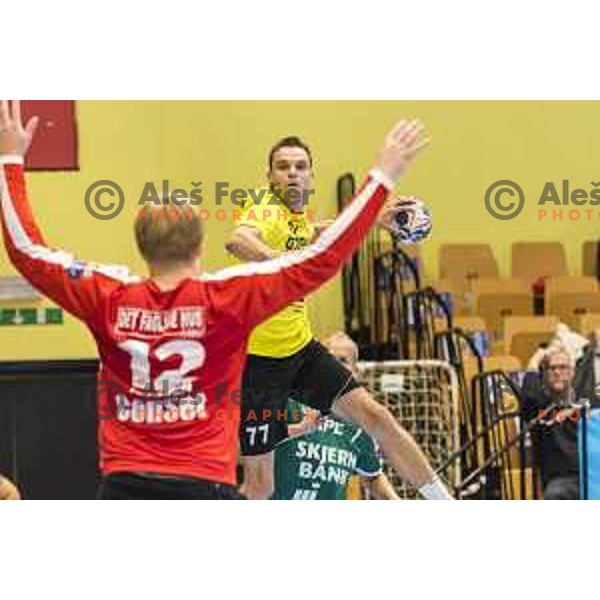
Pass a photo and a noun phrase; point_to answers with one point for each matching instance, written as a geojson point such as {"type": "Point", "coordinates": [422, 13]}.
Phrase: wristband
{"type": "Point", "coordinates": [11, 159]}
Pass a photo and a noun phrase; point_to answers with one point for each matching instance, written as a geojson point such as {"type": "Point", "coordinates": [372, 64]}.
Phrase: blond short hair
{"type": "Point", "coordinates": [168, 233]}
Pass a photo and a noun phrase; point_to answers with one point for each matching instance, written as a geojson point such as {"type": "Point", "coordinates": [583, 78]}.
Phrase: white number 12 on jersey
{"type": "Point", "coordinates": [193, 356]}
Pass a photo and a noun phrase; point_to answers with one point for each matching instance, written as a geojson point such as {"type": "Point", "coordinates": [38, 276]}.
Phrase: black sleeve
{"type": "Point", "coordinates": [532, 399]}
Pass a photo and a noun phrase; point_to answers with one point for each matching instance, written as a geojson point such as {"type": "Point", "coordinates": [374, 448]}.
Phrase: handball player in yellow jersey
{"type": "Point", "coordinates": [285, 360]}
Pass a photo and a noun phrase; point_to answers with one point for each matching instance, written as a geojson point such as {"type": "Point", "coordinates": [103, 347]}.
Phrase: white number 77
{"type": "Point", "coordinates": [253, 430]}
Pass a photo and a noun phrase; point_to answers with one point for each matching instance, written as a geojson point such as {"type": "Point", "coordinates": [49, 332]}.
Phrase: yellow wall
{"type": "Point", "coordinates": [474, 144]}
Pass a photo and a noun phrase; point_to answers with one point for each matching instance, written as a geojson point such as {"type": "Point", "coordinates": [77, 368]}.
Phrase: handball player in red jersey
{"type": "Point", "coordinates": [172, 346]}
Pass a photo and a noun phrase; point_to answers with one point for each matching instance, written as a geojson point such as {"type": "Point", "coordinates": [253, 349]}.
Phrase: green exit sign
{"type": "Point", "coordinates": [31, 316]}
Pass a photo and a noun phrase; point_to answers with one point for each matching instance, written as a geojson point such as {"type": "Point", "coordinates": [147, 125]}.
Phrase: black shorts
{"type": "Point", "coordinates": [312, 376]}
{"type": "Point", "coordinates": [136, 486]}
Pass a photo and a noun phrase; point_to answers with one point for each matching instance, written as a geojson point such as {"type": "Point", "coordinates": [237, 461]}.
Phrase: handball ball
{"type": "Point", "coordinates": [412, 222]}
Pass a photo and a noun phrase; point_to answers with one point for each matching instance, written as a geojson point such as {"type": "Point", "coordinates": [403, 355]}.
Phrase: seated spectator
{"type": "Point", "coordinates": [548, 403]}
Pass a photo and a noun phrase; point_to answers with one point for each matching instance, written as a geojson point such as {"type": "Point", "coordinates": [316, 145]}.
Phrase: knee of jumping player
{"type": "Point", "coordinates": [258, 488]}
{"type": "Point", "coordinates": [258, 479]}
{"type": "Point", "coordinates": [361, 408]}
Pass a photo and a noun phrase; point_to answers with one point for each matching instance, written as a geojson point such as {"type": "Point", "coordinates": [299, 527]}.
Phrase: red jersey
{"type": "Point", "coordinates": [172, 361]}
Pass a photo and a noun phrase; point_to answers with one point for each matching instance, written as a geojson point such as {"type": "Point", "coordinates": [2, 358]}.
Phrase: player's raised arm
{"type": "Point", "coordinates": [257, 290]}
{"type": "Point", "coordinates": [74, 285]}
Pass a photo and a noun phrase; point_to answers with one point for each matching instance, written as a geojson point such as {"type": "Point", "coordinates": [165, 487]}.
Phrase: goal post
{"type": "Point", "coordinates": [423, 397]}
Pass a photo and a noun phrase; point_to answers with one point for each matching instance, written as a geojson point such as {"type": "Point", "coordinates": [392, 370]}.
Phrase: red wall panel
{"type": "Point", "coordinates": [55, 143]}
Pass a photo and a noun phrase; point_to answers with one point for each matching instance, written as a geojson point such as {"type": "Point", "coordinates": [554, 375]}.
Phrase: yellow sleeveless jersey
{"type": "Point", "coordinates": [285, 231]}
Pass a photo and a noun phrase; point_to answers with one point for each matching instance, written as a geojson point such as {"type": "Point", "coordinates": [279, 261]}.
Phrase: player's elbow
{"type": "Point", "coordinates": [235, 244]}
{"type": "Point", "coordinates": [239, 243]}
{"type": "Point", "coordinates": [372, 485]}
{"type": "Point", "coordinates": [381, 489]}
{"type": "Point", "coordinates": [23, 264]}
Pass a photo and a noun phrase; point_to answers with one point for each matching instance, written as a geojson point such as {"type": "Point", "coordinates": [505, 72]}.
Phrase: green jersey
{"type": "Point", "coordinates": [317, 466]}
